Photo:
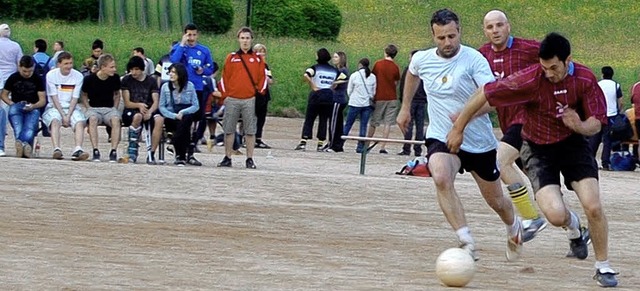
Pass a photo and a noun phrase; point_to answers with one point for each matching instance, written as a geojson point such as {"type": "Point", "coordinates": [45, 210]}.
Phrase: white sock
{"type": "Point", "coordinates": [573, 228]}
{"type": "Point", "coordinates": [513, 228]}
{"type": "Point", "coordinates": [464, 235]}
{"type": "Point", "coordinates": [78, 148]}
{"type": "Point", "coordinates": [602, 265]}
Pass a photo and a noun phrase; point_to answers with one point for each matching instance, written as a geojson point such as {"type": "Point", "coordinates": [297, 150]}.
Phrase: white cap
{"type": "Point", "coordinates": [5, 31]}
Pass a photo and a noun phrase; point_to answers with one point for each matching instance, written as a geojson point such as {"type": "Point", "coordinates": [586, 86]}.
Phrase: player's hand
{"type": "Point", "coordinates": [199, 70]}
{"type": "Point", "coordinates": [185, 39]}
{"type": "Point", "coordinates": [403, 119]}
{"type": "Point", "coordinates": [179, 116]}
{"type": "Point", "coordinates": [454, 140]}
{"type": "Point", "coordinates": [571, 119]}
{"type": "Point", "coordinates": [66, 121]}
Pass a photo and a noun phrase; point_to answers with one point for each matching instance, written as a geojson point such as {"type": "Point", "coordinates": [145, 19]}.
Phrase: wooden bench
{"type": "Point", "coordinates": [368, 146]}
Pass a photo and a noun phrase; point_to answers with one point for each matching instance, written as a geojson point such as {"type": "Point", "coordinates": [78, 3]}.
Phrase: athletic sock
{"type": "Point", "coordinates": [602, 265]}
{"type": "Point", "coordinates": [573, 228]}
{"type": "Point", "coordinates": [464, 235]}
{"type": "Point", "coordinates": [514, 227]}
{"type": "Point", "coordinates": [520, 197]}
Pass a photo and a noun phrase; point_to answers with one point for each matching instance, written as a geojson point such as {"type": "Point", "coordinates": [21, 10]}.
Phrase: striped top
{"type": "Point", "coordinates": [544, 101]}
{"type": "Point", "coordinates": [519, 54]}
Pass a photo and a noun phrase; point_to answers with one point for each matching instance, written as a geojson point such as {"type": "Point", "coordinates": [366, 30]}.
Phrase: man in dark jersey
{"type": "Point", "coordinates": [563, 104]}
{"type": "Point", "coordinates": [506, 55]}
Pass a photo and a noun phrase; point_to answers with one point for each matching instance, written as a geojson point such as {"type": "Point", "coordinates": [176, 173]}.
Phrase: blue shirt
{"type": "Point", "coordinates": [194, 57]}
{"type": "Point", "coordinates": [187, 99]}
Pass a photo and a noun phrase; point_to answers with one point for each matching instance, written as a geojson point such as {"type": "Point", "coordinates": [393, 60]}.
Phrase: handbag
{"type": "Point", "coordinates": [372, 103]}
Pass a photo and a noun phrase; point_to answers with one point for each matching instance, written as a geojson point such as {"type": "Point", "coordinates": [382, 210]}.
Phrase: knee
{"type": "Point", "coordinates": [93, 121]}
{"type": "Point", "coordinates": [593, 210]}
{"type": "Point", "coordinates": [442, 181]}
{"type": "Point", "coordinates": [557, 217]}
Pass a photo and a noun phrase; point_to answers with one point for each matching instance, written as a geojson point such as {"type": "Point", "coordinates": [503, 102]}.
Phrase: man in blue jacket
{"type": "Point", "coordinates": [199, 63]}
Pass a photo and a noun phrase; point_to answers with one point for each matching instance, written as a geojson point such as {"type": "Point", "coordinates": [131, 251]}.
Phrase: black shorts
{"type": "Point", "coordinates": [571, 157]}
{"type": "Point", "coordinates": [513, 136]}
{"type": "Point", "coordinates": [483, 164]}
{"type": "Point", "coordinates": [127, 116]}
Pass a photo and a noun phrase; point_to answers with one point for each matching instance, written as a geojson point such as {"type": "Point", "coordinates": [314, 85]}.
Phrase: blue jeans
{"type": "Point", "coordinates": [24, 123]}
{"type": "Point", "coordinates": [364, 113]}
{"type": "Point", "coordinates": [3, 127]}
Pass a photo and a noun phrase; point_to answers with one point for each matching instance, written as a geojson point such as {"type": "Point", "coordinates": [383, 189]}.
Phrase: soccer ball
{"type": "Point", "coordinates": [455, 267]}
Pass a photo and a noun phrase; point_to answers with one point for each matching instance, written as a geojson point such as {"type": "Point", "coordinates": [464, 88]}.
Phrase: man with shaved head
{"type": "Point", "coordinates": [506, 55]}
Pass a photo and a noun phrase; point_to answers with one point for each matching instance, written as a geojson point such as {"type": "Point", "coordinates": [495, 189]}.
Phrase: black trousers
{"type": "Point", "coordinates": [181, 135]}
{"type": "Point", "coordinates": [261, 114]}
{"type": "Point", "coordinates": [336, 125]}
{"type": "Point", "coordinates": [323, 112]}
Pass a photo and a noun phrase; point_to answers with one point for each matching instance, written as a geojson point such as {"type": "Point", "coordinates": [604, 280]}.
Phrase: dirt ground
{"type": "Point", "coordinates": [301, 221]}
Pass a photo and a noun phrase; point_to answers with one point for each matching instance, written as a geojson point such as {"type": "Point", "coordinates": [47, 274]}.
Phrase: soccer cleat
{"type": "Point", "coordinates": [19, 149]}
{"type": "Point", "coordinates": [578, 247]}
{"type": "Point", "coordinates": [57, 154]}
{"type": "Point", "coordinates": [226, 162]}
{"type": "Point", "coordinates": [301, 146]}
{"type": "Point", "coordinates": [192, 161]}
{"type": "Point", "coordinates": [606, 277]}
{"type": "Point", "coordinates": [514, 243]}
{"type": "Point", "coordinates": [113, 156]}
{"type": "Point", "coordinates": [96, 155]}
{"type": "Point", "coordinates": [532, 228]}
{"type": "Point", "coordinates": [471, 249]}
{"type": "Point", "coordinates": [250, 164]}
{"type": "Point", "coordinates": [79, 155]}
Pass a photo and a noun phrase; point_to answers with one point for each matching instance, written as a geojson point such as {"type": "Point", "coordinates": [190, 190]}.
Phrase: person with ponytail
{"type": "Point", "coordinates": [362, 86]}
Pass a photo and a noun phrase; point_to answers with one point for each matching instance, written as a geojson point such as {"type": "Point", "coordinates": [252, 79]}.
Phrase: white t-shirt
{"type": "Point", "coordinates": [449, 83]}
{"type": "Point", "coordinates": [66, 87]}
{"type": "Point", "coordinates": [361, 89]}
{"type": "Point", "coordinates": [612, 92]}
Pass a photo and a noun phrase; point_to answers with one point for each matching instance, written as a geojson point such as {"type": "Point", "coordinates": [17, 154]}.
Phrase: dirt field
{"type": "Point", "coordinates": [301, 221]}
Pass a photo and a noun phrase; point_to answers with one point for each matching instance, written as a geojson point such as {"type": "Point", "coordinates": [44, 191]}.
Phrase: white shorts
{"type": "Point", "coordinates": [52, 113]}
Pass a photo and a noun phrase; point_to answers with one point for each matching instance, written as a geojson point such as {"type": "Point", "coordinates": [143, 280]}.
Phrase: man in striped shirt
{"type": "Point", "coordinates": [507, 55]}
{"type": "Point", "coordinates": [563, 104]}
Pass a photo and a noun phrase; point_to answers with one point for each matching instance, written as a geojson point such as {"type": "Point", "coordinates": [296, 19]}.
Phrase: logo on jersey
{"type": "Point", "coordinates": [444, 79]}
{"type": "Point", "coordinates": [560, 109]}
{"type": "Point", "coordinates": [498, 76]}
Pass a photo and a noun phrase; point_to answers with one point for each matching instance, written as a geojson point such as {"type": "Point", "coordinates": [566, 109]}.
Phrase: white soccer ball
{"type": "Point", "coordinates": [455, 267]}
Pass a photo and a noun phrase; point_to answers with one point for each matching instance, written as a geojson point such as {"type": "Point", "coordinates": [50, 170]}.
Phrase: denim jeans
{"type": "Point", "coordinates": [3, 127]}
{"type": "Point", "coordinates": [24, 123]}
{"type": "Point", "coordinates": [364, 113]}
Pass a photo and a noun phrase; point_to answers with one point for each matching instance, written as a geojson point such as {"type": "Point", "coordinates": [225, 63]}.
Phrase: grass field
{"type": "Point", "coordinates": [602, 33]}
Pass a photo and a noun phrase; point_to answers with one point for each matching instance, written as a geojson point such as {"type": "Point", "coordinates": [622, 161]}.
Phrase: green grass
{"type": "Point", "coordinates": [602, 33]}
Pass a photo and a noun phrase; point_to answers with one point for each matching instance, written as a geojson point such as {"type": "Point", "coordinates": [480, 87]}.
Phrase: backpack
{"type": "Point", "coordinates": [622, 161]}
{"type": "Point", "coordinates": [418, 167]}
{"type": "Point", "coordinates": [620, 128]}
{"type": "Point", "coordinates": [41, 69]}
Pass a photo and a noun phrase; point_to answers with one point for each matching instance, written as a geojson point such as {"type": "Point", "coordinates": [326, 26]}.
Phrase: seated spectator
{"type": "Point", "coordinates": [178, 104]}
{"type": "Point", "coordinates": [27, 100]}
{"type": "Point", "coordinates": [141, 99]}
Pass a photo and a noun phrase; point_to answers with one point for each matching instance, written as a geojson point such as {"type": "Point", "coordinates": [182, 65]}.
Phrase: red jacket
{"type": "Point", "coordinates": [235, 81]}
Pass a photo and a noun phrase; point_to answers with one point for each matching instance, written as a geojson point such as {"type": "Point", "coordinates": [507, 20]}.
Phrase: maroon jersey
{"type": "Point", "coordinates": [519, 54]}
{"type": "Point", "coordinates": [544, 102]}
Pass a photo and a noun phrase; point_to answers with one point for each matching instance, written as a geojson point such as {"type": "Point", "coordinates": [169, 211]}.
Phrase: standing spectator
{"type": "Point", "coordinates": [162, 68]}
{"type": "Point", "coordinates": [387, 74]}
{"type": "Point", "coordinates": [506, 55]}
{"type": "Point", "coordinates": [336, 122]}
{"type": "Point", "coordinates": [362, 84]}
{"type": "Point", "coordinates": [63, 91]}
{"type": "Point", "coordinates": [635, 101]}
{"type": "Point", "coordinates": [178, 104]}
{"type": "Point", "coordinates": [563, 105]}
{"type": "Point", "coordinates": [148, 63]}
{"type": "Point", "coordinates": [613, 94]}
{"type": "Point", "coordinates": [97, 49]}
{"type": "Point", "coordinates": [141, 99]}
{"type": "Point", "coordinates": [418, 105]}
{"type": "Point", "coordinates": [243, 77]}
{"type": "Point", "coordinates": [10, 55]}
{"type": "Point", "coordinates": [58, 47]}
{"type": "Point", "coordinates": [262, 103]}
{"type": "Point", "coordinates": [27, 99]}
{"type": "Point", "coordinates": [101, 98]}
{"type": "Point", "coordinates": [451, 73]}
{"type": "Point", "coordinates": [199, 64]}
{"type": "Point", "coordinates": [320, 78]}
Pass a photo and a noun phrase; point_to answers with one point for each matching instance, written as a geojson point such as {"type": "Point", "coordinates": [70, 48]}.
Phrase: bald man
{"type": "Point", "coordinates": [506, 55]}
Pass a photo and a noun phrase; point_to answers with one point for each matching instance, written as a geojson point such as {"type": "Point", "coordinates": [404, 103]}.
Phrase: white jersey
{"type": "Point", "coordinates": [66, 87]}
{"type": "Point", "coordinates": [449, 83]}
{"type": "Point", "coordinates": [612, 92]}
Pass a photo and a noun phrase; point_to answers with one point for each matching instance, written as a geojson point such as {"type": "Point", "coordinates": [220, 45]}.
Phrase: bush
{"type": "Point", "coordinates": [69, 10]}
{"type": "Point", "coordinates": [215, 16]}
{"type": "Point", "coordinates": [315, 19]}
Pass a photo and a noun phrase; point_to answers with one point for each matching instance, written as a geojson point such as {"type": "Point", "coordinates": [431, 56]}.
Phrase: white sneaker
{"type": "Point", "coordinates": [471, 249]}
{"type": "Point", "coordinates": [514, 244]}
{"type": "Point", "coordinates": [2, 153]}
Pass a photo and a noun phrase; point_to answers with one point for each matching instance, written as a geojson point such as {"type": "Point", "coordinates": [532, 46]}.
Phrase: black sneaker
{"type": "Point", "coordinates": [179, 163]}
{"type": "Point", "coordinates": [113, 156]}
{"type": "Point", "coordinates": [579, 246]}
{"type": "Point", "coordinates": [261, 145]}
{"type": "Point", "coordinates": [320, 147]}
{"type": "Point", "coordinates": [403, 153]}
{"type": "Point", "coordinates": [301, 146]}
{"type": "Point", "coordinates": [250, 164]}
{"type": "Point", "coordinates": [383, 151]}
{"type": "Point", "coordinates": [170, 150]}
{"type": "Point", "coordinates": [96, 155]}
{"type": "Point", "coordinates": [57, 154]}
{"type": "Point", "coordinates": [192, 161]}
{"type": "Point", "coordinates": [226, 162]}
{"type": "Point", "coordinates": [79, 155]}
{"type": "Point", "coordinates": [151, 160]}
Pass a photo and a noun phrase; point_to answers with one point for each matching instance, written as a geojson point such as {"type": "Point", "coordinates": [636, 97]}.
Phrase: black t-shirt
{"type": "Point", "coordinates": [24, 89]}
{"type": "Point", "coordinates": [140, 91]}
{"type": "Point", "coordinates": [100, 92]}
